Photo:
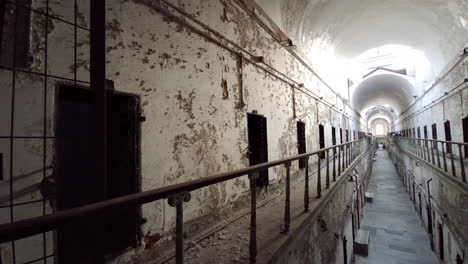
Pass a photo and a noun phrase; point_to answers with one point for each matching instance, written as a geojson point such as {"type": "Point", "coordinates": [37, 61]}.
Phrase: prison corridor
{"type": "Point", "coordinates": [397, 234]}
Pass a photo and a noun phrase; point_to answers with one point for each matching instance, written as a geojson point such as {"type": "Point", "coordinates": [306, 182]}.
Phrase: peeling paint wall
{"type": "Point", "coordinates": [195, 93]}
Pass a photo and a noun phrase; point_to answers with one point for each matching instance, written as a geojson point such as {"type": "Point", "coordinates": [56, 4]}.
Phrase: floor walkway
{"type": "Point", "coordinates": [397, 234]}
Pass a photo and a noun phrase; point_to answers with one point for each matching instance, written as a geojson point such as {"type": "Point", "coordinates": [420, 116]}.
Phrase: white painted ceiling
{"type": "Point", "coordinates": [347, 28]}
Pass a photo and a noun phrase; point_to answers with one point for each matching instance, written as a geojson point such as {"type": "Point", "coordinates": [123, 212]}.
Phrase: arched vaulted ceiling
{"type": "Point", "coordinates": [380, 112]}
{"type": "Point", "coordinates": [347, 28]}
{"type": "Point", "coordinates": [383, 89]}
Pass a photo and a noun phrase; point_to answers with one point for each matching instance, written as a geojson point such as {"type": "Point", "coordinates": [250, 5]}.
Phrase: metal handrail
{"type": "Point", "coordinates": [435, 140]}
{"type": "Point", "coordinates": [177, 194]}
{"type": "Point", "coordinates": [425, 151]}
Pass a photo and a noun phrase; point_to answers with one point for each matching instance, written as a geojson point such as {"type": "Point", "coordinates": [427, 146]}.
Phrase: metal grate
{"type": "Point", "coordinates": [42, 43]}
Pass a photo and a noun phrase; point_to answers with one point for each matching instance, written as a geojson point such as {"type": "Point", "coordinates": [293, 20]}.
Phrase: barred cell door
{"type": "Point", "coordinates": [87, 240]}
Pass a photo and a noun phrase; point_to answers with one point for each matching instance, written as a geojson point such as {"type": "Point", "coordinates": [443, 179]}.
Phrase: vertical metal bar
{"type": "Point", "coordinates": [437, 153]}
{"type": "Point", "coordinates": [327, 179]}
{"type": "Point", "coordinates": [13, 90]}
{"type": "Point", "coordinates": [424, 149]}
{"type": "Point", "coordinates": [339, 161]}
{"type": "Point", "coordinates": [334, 165]}
{"type": "Point", "coordinates": [343, 158]}
{"type": "Point", "coordinates": [98, 84]}
{"type": "Point", "coordinates": [444, 146]}
{"type": "Point", "coordinates": [179, 232]}
{"type": "Point", "coordinates": [432, 152]}
{"type": "Point", "coordinates": [44, 140]}
{"type": "Point", "coordinates": [253, 218]}
{"type": "Point", "coordinates": [306, 187]}
{"type": "Point", "coordinates": [462, 165]}
{"type": "Point", "coordinates": [287, 201]}
{"type": "Point", "coordinates": [319, 176]}
{"type": "Point", "coordinates": [452, 162]}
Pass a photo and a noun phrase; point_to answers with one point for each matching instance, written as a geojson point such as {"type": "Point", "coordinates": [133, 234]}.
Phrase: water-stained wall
{"type": "Point", "coordinates": [199, 68]}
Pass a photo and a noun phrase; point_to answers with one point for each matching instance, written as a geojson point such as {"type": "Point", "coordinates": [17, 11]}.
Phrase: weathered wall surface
{"type": "Point", "coordinates": [195, 93]}
{"type": "Point", "coordinates": [446, 100]}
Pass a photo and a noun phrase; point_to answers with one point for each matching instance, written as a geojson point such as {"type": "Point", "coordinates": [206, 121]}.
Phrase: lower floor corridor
{"type": "Point", "coordinates": [397, 235]}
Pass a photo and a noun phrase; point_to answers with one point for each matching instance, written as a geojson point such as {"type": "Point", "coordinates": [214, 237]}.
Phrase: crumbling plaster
{"type": "Point", "coordinates": [190, 90]}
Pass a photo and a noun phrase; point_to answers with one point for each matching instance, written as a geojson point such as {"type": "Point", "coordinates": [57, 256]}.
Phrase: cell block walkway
{"type": "Point", "coordinates": [397, 232]}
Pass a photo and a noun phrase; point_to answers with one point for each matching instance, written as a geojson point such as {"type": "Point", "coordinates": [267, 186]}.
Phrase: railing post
{"type": "Point", "coordinates": [432, 152]}
{"type": "Point", "coordinates": [452, 162]}
{"type": "Point", "coordinates": [339, 161]}
{"type": "Point", "coordinates": [306, 188]}
{"type": "Point", "coordinates": [334, 166]}
{"type": "Point", "coordinates": [319, 177]}
{"type": "Point", "coordinates": [178, 202]}
{"type": "Point", "coordinates": [327, 179]}
{"type": "Point", "coordinates": [287, 200]}
{"type": "Point", "coordinates": [343, 158]}
{"type": "Point", "coordinates": [462, 165]}
{"type": "Point", "coordinates": [443, 155]}
{"type": "Point", "coordinates": [253, 218]}
{"type": "Point", "coordinates": [423, 149]}
{"type": "Point", "coordinates": [437, 153]}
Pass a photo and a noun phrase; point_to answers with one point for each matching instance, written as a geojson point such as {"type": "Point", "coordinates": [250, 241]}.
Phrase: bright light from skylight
{"type": "Point", "coordinates": [379, 130]}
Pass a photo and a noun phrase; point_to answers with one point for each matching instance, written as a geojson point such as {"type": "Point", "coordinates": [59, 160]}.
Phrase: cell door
{"type": "Point", "coordinates": [419, 132]}
{"type": "Point", "coordinates": [425, 134]}
{"type": "Point", "coordinates": [420, 204]}
{"type": "Point", "coordinates": [88, 240]}
{"type": "Point", "coordinates": [301, 143]}
{"type": "Point", "coordinates": [322, 140]}
{"type": "Point", "coordinates": [441, 242]}
{"type": "Point", "coordinates": [258, 145]}
{"type": "Point", "coordinates": [465, 135]}
{"type": "Point", "coordinates": [429, 226]}
{"type": "Point", "coordinates": [448, 136]}
{"type": "Point", "coordinates": [434, 131]}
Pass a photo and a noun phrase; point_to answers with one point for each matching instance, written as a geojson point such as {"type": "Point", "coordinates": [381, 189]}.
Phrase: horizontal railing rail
{"type": "Point", "coordinates": [343, 155]}
{"type": "Point", "coordinates": [438, 152]}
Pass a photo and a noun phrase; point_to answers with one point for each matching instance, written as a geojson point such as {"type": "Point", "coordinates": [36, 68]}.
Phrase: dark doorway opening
{"type": "Point", "coordinates": [420, 204]}
{"type": "Point", "coordinates": [88, 240]}
{"type": "Point", "coordinates": [345, 250]}
{"type": "Point", "coordinates": [429, 226]}
{"type": "Point", "coordinates": [414, 132]}
{"type": "Point", "coordinates": [301, 143]}
{"type": "Point", "coordinates": [258, 145]}
{"type": "Point", "coordinates": [458, 260]}
{"type": "Point", "coordinates": [434, 131]}
{"type": "Point", "coordinates": [465, 135]}
{"type": "Point", "coordinates": [347, 136]}
{"type": "Point", "coordinates": [441, 242]}
{"type": "Point", "coordinates": [322, 140]}
{"type": "Point", "coordinates": [425, 134]}
{"type": "Point", "coordinates": [448, 135]}
{"type": "Point", "coordinates": [419, 132]}
{"type": "Point", "coordinates": [341, 137]}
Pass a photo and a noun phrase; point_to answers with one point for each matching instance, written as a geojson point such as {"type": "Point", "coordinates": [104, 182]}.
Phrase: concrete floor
{"type": "Point", "coordinates": [397, 234]}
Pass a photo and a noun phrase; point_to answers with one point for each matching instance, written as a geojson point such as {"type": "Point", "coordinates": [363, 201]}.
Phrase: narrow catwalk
{"type": "Point", "coordinates": [396, 232]}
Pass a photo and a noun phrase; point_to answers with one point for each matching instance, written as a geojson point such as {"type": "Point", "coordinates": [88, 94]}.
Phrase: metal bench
{"type": "Point", "coordinates": [361, 243]}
